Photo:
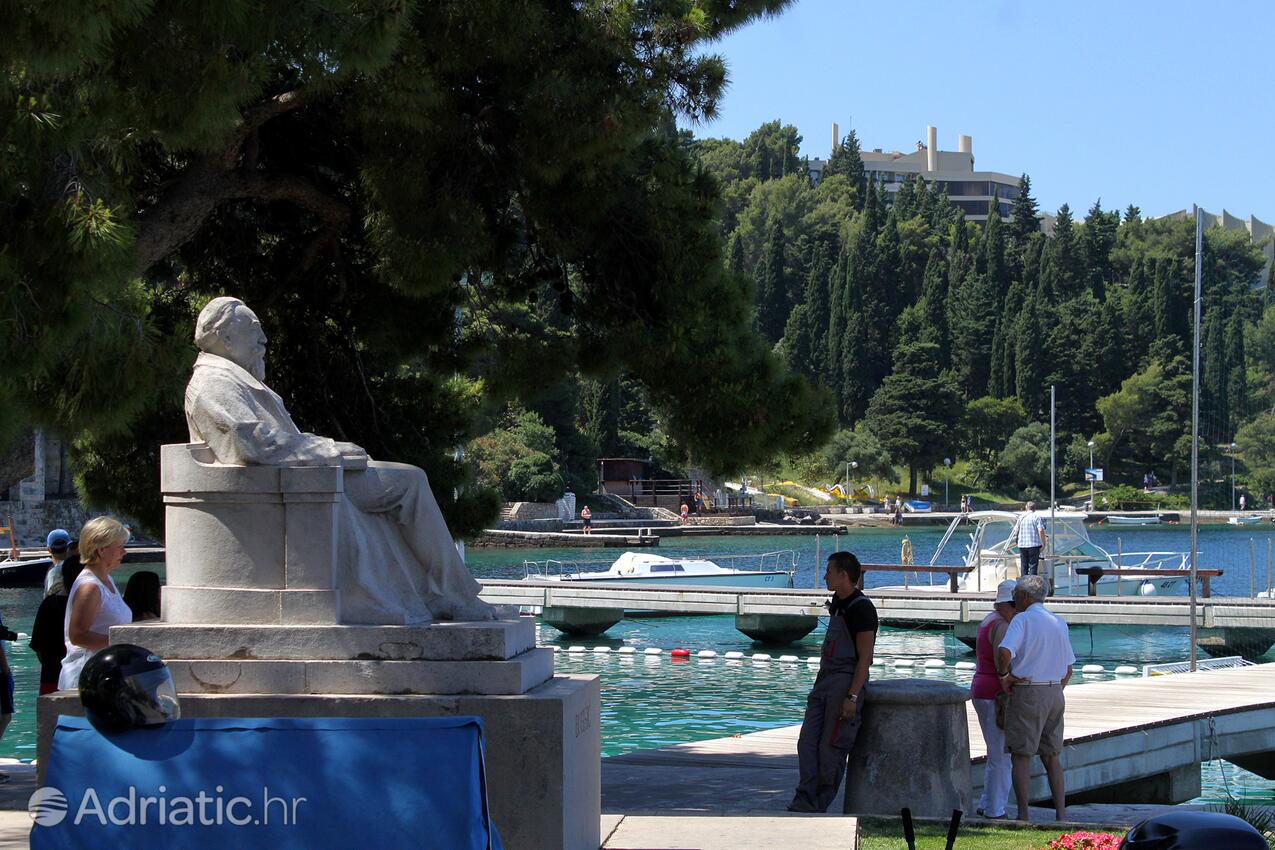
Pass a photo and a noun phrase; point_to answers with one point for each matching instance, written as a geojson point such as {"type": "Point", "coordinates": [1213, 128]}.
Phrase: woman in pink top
{"type": "Point", "coordinates": [983, 691]}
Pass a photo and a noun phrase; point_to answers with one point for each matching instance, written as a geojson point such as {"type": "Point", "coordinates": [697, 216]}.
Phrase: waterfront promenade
{"type": "Point", "coordinates": [1134, 741]}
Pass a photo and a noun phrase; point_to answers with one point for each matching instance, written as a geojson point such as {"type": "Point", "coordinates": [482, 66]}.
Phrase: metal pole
{"type": "Point", "coordinates": [1232, 477]}
{"type": "Point", "coordinates": [1268, 565]}
{"type": "Point", "coordinates": [1195, 426]}
{"type": "Point", "coordinates": [1091, 479]}
{"type": "Point", "coordinates": [1252, 569]}
{"type": "Point", "coordinates": [1052, 401]}
{"type": "Point", "coordinates": [1119, 561]}
{"type": "Point", "coordinates": [818, 561]}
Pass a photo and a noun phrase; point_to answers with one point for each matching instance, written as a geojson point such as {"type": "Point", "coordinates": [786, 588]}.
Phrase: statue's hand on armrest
{"type": "Point", "coordinates": [352, 456]}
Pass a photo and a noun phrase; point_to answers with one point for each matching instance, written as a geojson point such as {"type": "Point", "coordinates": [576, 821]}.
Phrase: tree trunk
{"type": "Point", "coordinates": [911, 479]}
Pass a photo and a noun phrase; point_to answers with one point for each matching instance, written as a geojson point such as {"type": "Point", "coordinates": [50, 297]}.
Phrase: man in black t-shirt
{"type": "Point", "coordinates": [832, 718]}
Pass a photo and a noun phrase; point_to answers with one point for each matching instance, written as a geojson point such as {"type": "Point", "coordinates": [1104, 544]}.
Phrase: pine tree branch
{"type": "Point", "coordinates": [189, 201]}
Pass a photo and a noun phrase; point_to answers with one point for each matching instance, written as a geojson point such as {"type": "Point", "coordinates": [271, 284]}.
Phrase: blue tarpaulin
{"type": "Point", "coordinates": [268, 783]}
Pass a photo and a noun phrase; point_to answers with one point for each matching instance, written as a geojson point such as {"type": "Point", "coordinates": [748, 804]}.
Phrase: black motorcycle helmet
{"type": "Point", "coordinates": [1193, 831]}
{"type": "Point", "coordinates": [126, 687]}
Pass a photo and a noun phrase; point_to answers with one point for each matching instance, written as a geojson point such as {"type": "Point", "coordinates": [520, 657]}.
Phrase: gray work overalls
{"type": "Point", "coordinates": [826, 739]}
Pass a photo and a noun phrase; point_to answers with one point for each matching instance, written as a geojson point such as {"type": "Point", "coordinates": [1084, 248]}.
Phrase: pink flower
{"type": "Point", "coordinates": [1086, 841]}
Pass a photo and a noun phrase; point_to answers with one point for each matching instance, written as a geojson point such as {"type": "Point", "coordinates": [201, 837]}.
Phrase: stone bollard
{"type": "Point", "coordinates": [913, 751]}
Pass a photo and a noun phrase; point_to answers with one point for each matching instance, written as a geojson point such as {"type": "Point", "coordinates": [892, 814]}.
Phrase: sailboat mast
{"type": "Point", "coordinates": [1195, 423]}
{"type": "Point", "coordinates": [1052, 432]}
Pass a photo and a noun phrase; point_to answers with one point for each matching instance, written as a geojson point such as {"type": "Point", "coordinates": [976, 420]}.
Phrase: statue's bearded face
{"type": "Point", "coordinates": [245, 342]}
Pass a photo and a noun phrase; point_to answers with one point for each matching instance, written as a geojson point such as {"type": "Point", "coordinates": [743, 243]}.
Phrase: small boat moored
{"type": "Point", "coordinates": [772, 569]}
{"type": "Point", "coordinates": [1134, 520]}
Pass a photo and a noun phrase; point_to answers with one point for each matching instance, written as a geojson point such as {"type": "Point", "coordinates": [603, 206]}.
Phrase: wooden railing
{"type": "Point", "coordinates": [1095, 573]}
{"type": "Point", "coordinates": [953, 573]}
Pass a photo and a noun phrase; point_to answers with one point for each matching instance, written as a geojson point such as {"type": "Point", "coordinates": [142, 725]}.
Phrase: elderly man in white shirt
{"type": "Point", "coordinates": [1034, 663]}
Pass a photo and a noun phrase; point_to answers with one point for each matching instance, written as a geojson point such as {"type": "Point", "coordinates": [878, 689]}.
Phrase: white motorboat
{"type": "Point", "coordinates": [1134, 520]}
{"type": "Point", "coordinates": [771, 570]}
{"type": "Point", "coordinates": [992, 553]}
{"type": "Point", "coordinates": [1245, 520]}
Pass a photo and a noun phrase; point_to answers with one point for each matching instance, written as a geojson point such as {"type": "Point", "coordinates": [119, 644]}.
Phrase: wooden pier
{"type": "Point", "coordinates": [1127, 741]}
{"type": "Point", "coordinates": [1227, 625]}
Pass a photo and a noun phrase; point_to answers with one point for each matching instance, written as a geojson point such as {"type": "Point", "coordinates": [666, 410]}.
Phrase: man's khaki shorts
{"type": "Point", "coordinates": [1034, 720]}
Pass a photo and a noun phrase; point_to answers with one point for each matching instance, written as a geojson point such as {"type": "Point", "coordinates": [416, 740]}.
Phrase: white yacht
{"type": "Point", "coordinates": [773, 569]}
{"type": "Point", "coordinates": [992, 552]}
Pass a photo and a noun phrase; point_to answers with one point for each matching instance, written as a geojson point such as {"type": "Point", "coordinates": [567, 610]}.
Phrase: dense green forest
{"type": "Point", "coordinates": [938, 337]}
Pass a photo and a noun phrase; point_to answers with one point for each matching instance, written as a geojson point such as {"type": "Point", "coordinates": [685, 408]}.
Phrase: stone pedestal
{"type": "Point", "coordinates": [248, 544]}
{"type": "Point", "coordinates": [913, 751]}
{"type": "Point", "coordinates": [542, 731]}
{"type": "Point", "coordinates": [252, 627]}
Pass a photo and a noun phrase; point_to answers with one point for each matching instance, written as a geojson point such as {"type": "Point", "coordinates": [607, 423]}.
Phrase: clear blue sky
{"type": "Point", "coordinates": [1159, 104]}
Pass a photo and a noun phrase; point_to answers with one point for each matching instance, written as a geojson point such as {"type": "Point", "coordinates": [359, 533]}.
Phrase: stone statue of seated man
{"type": "Point", "coordinates": [397, 561]}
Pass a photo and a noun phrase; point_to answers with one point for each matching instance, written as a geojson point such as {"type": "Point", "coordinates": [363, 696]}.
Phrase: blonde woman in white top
{"type": "Point", "coordinates": [95, 602]}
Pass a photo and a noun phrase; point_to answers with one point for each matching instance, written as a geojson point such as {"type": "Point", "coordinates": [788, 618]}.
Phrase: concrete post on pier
{"type": "Point", "coordinates": [913, 751]}
{"type": "Point", "coordinates": [776, 628]}
{"type": "Point", "coordinates": [588, 622]}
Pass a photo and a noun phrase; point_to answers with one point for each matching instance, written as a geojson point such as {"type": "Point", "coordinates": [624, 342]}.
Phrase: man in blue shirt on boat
{"type": "Point", "coordinates": [1031, 539]}
{"type": "Point", "coordinates": [832, 720]}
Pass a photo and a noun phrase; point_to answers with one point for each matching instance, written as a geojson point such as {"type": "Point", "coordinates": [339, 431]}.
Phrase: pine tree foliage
{"type": "Point", "coordinates": [434, 207]}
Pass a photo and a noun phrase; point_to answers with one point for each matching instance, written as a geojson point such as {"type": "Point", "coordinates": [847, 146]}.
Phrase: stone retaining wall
{"type": "Point", "coordinates": [32, 521]}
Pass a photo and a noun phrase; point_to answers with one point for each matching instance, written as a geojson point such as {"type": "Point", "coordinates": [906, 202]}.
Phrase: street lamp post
{"type": "Point", "coordinates": [1232, 476]}
{"type": "Point", "coordinates": [1090, 476]}
{"type": "Point", "coordinates": [947, 478]}
{"type": "Point", "coordinates": [850, 464]}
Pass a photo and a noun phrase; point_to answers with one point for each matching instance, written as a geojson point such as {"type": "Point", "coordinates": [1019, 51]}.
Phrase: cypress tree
{"type": "Point", "coordinates": [992, 253]}
{"type": "Point", "coordinates": [1214, 377]}
{"type": "Point", "coordinates": [772, 287]}
{"type": "Point", "coordinates": [973, 327]}
{"type": "Point", "coordinates": [1099, 239]}
{"type": "Point", "coordinates": [1065, 254]}
{"type": "Point", "coordinates": [934, 303]}
{"type": "Point", "coordinates": [1029, 367]}
{"type": "Point", "coordinates": [846, 159]}
{"type": "Point", "coordinates": [1024, 221]}
{"type": "Point", "coordinates": [1237, 372]}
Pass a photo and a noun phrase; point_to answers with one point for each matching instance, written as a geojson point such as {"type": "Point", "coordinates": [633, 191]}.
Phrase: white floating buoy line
{"type": "Point", "coordinates": [930, 665]}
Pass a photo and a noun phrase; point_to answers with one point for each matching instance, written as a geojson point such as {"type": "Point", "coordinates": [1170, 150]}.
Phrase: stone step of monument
{"type": "Point", "coordinates": [496, 640]}
{"type": "Point", "coordinates": [440, 678]}
{"type": "Point", "coordinates": [277, 606]}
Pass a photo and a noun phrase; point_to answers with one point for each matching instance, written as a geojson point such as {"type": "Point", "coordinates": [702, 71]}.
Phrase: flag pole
{"type": "Point", "coordinates": [1195, 424]}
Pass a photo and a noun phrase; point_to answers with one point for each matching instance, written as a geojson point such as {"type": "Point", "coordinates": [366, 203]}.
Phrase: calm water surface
{"type": "Point", "coordinates": [651, 701]}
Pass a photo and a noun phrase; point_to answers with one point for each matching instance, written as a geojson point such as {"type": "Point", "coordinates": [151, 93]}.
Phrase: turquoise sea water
{"type": "Point", "coordinates": [651, 701]}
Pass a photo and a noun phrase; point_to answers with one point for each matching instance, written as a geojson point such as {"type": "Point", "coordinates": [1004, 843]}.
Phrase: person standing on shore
{"type": "Point", "coordinates": [1034, 662]}
{"type": "Point", "coordinates": [1031, 539]}
{"type": "Point", "coordinates": [983, 692]}
{"type": "Point", "coordinates": [832, 719]}
{"type": "Point", "coordinates": [586, 517]}
{"type": "Point", "coordinates": [59, 544]}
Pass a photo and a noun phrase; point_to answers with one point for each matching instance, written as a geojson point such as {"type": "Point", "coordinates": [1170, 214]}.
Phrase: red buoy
{"type": "Point", "coordinates": [681, 653]}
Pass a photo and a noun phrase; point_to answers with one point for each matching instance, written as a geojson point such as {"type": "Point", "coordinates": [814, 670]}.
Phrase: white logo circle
{"type": "Point", "coordinates": [47, 806]}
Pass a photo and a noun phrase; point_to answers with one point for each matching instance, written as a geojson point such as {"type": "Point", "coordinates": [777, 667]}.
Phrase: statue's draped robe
{"type": "Point", "coordinates": [397, 563]}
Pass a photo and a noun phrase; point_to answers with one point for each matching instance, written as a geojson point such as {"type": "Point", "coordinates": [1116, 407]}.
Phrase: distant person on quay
{"type": "Point", "coordinates": [60, 546]}
{"type": "Point", "coordinates": [685, 515]}
{"type": "Point", "coordinates": [1034, 662]}
{"type": "Point", "coordinates": [48, 634]}
{"type": "Point", "coordinates": [984, 690]}
{"type": "Point", "coordinates": [142, 594]}
{"type": "Point", "coordinates": [1031, 539]}
{"type": "Point", "coordinates": [1243, 502]}
{"type": "Point", "coordinates": [586, 517]}
{"type": "Point", "coordinates": [95, 603]}
{"type": "Point", "coordinates": [832, 719]}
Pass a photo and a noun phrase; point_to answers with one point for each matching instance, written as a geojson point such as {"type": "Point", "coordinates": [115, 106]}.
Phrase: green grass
{"type": "Point", "coordinates": [887, 834]}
